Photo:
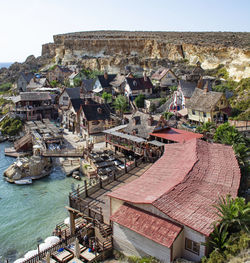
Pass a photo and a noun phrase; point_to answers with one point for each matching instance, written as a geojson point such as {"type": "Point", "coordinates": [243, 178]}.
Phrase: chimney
{"type": "Point", "coordinates": [200, 83]}
{"type": "Point", "coordinates": [105, 75]}
{"type": "Point", "coordinates": [206, 87]}
{"type": "Point", "coordinates": [145, 76]}
{"type": "Point", "coordinates": [150, 120]}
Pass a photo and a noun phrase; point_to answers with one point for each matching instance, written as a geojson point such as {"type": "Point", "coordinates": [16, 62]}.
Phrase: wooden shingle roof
{"type": "Point", "coordinates": [203, 101]}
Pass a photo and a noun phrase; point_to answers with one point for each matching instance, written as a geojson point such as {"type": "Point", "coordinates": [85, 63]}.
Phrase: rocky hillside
{"type": "Point", "coordinates": [112, 50]}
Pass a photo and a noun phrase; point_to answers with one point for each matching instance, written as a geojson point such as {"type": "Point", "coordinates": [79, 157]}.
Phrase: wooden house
{"type": "Point", "coordinates": [58, 73]}
{"type": "Point", "coordinates": [167, 213]}
{"type": "Point", "coordinates": [164, 78]}
{"type": "Point", "coordinates": [185, 91]}
{"type": "Point", "coordinates": [33, 105]}
{"type": "Point", "coordinates": [208, 106]}
{"type": "Point", "coordinates": [118, 84]}
{"type": "Point", "coordinates": [136, 86]}
{"type": "Point", "coordinates": [103, 82]}
{"type": "Point", "coordinates": [23, 81]}
{"type": "Point", "coordinates": [38, 83]}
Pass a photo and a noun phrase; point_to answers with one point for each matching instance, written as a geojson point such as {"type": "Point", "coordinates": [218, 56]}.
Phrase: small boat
{"type": "Point", "coordinates": [23, 181]}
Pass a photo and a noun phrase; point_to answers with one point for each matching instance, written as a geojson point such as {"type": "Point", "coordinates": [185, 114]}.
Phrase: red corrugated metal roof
{"type": "Point", "coordinates": [186, 181]}
{"type": "Point", "coordinates": [176, 135]}
{"type": "Point", "coordinates": [153, 227]}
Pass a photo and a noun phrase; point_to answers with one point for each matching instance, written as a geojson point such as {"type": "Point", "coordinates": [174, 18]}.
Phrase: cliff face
{"type": "Point", "coordinates": [112, 50]}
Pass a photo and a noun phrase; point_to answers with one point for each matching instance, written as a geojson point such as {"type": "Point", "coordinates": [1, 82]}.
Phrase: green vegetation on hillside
{"type": "Point", "coordinates": [91, 74]}
{"type": "Point", "coordinates": [107, 97]}
{"type": "Point", "coordinates": [11, 126]}
{"type": "Point", "coordinates": [5, 87]}
{"type": "Point", "coordinates": [240, 101]}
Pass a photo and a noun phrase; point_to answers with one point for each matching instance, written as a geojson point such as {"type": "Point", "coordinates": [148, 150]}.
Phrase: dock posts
{"type": "Point", "coordinates": [135, 163]}
{"type": "Point", "coordinates": [86, 188]}
{"type": "Point", "coordinates": [125, 164]}
{"type": "Point", "coordinates": [72, 223]}
{"type": "Point", "coordinates": [100, 182]}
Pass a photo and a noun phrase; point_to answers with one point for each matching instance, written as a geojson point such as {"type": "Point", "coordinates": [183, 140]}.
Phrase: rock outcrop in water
{"type": "Point", "coordinates": [112, 50]}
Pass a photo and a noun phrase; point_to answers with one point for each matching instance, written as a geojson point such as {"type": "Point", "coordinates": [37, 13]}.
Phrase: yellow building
{"type": "Point", "coordinates": [207, 106]}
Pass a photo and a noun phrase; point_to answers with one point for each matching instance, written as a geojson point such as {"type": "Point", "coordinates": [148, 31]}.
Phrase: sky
{"type": "Point", "coordinates": [27, 24]}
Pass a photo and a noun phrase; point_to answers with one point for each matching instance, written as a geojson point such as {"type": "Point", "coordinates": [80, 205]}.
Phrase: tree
{"type": "Point", "coordinates": [121, 104]}
{"type": "Point", "coordinates": [139, 101]}
{"type": "Point", "coordinates": [77, 82]}
{"type": "Point", "coordinates": [218, 239]}
{"type": "Point", "coordinates": [107, 97]}
{"type": "Point", "coordinates": [53, 83]}
{"type": "Point", "coordinates": [228, 134]}
{"type": "Point", "coordinates": [234, 214]}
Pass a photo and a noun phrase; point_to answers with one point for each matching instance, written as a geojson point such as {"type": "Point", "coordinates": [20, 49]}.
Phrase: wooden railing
{"type": "Point", "coordinates": [87, 189]}
{"type": "Point", "coordinates": [63, 153]}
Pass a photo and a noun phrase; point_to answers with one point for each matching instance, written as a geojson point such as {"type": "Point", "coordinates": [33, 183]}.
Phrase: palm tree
{"type": "Point", "coordinates": [121, 104]}
{"type": "Point", "coordinates": [218, 240]}
{"type": "Point", "coordinates": [234, 214]}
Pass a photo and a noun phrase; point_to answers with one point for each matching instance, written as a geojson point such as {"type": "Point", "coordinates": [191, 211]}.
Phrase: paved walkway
{"type": "Point", "coordinates": [99, 198]}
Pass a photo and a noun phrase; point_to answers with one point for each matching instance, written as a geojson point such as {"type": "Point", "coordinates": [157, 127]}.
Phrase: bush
{"type": "Point", "coordinates": [54, 83]}
{"type": "Point", "coordinates": [5, 87]}
{"type": "Point", "coordinates": [11, 126]}
{"type": "Point", "coordinates": [139, 101]}
{"type": "Point", "coordinates": [107, 97]}
{"type": "Point", "coordinates": [162, 101]}
{"type": "Point", "coordinates": [167, 115]}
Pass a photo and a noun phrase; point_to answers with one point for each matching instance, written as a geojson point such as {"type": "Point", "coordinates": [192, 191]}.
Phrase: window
{"type": "Point", "coordinates": [193, 112]}
{"type": "Point", "coordinates": [65, 98]}
{"type": "Point", "coordinates": [204, 114]}
{"type": "Point", "coordinates": [222, 102]}
{"type": "Point", "coordinates": [192, 246]}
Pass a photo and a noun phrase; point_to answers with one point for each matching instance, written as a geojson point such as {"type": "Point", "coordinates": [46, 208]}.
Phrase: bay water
{"type": "Point", "coordinates": [5, 64]}
{"type": "Point", "coordinates": [30, 212]}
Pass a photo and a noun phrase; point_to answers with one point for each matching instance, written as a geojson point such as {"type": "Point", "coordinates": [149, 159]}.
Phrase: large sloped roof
{"type": "Point", "coordinates": [186, 181]}
{"type": "Point", "coordinates": [153, 227]}
{"type": "Point", "coordinates": [74, 93]}
{"type": "Point", "coordinates": [139, 83]}
{"type": "Point", "coordinates": [105, 82]}
{"type": "Point", "coordinates": [160, 73]}
{"type": "Point", "coordinates": [203, 101]}
{"type": "Point", "coordinates": [96, 111]}
{"type": "Point", "coordinates": [32, 96]}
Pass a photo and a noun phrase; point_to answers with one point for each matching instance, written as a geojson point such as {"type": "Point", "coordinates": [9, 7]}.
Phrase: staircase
{"type": "Point", "coordinates": [21, 142]}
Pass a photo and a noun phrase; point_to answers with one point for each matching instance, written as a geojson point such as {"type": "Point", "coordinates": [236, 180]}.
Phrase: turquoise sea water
{"type": "Point", "coordinates": [30, 212]}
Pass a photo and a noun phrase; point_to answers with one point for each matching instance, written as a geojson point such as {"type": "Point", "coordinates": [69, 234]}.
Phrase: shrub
{"type": "Point", "coordinates": [167, 115]}
{"type": "Point", "coordinates": [11, 126]}
{"type": "Point", "coordinates": [107, 97]}
{"type": "Point", "coordinates": [139, 101]}
{"type": "Point", "coordinates": [5, 87]}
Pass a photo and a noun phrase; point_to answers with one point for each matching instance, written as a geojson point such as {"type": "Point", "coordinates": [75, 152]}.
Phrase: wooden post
{"type": "Point", "coordinates": [86, 188]}
{"type": "Point", "coordinates": [72, 223]}
{"type": "Point", "coordinates": [100, 182]}
{"type": "Point", "coordinates": [135, 163]}
{"type": "Point", "coordinates": [114, 175]}
{"type": "Point", "coordinates": [38, 249]}
{"type": "Point", "coordinates": [125, 164]}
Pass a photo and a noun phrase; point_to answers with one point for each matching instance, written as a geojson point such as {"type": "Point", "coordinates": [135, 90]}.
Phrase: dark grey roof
{"type": "Point", "coordinates": [139, 83]}
{"type": "Point", "coordinates": [27, 76]}
{"type": "Point", "coordinates": [32, 96]}
{"type": "Point", "coordinates": [203, 101]}
{"type": "Point", "coordinates": [187, 87]}
{"type": "Point", "coordinates": [74, 93]}
{"type": "Point", "coordinates": [76, 104]}
{"type": "Point", "coordinates": [105, 83]}
{"type": "Point", "coordinates": [141, 127]}
{"type": "Point", "coordinates": [96, 111]}
{"type": "Point", "coordinates": [88, 84]}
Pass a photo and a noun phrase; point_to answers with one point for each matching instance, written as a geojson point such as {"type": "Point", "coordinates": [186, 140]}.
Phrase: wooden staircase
{"type": "Point", "coordinates": [19, 144]}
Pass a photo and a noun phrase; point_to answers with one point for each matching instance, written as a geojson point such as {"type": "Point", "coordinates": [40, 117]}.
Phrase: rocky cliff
{"type": "Point", "coordinates": [112, 50]}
